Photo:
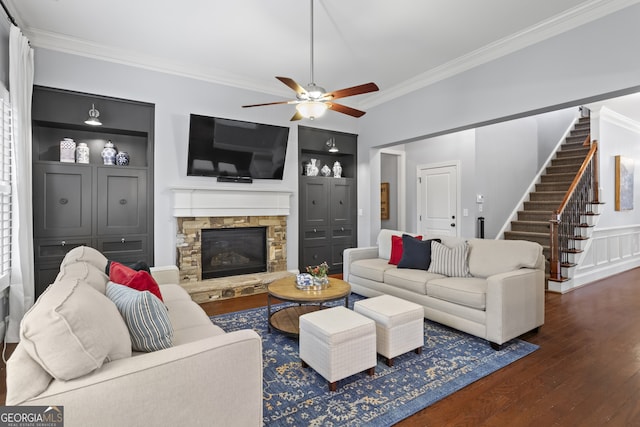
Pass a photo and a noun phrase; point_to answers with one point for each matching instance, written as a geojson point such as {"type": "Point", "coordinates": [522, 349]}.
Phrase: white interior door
{"type": "Point", "coordinates": [438, 194]}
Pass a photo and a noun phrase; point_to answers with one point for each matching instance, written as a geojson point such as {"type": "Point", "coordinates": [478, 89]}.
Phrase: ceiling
{"type": "Point", "coordinates": [401, 45]}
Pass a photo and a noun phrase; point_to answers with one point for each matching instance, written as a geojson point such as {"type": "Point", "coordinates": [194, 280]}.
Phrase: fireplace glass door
{"type": "Point", "coordinates": [233, 251]}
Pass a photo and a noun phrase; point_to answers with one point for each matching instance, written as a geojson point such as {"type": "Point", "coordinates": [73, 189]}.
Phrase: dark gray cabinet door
{"type": "Point", "coordinates": [315, 202]}
{"type": "Point", "coordinates": [62, 200]}
{"type": "Point", "coordinates": [122, 201]}
{"type": "Point", "coordinates": [341, 200]}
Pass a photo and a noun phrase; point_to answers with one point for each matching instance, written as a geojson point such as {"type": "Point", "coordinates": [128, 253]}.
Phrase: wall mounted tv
{"type": "Point", "coordinates": [235, 149]}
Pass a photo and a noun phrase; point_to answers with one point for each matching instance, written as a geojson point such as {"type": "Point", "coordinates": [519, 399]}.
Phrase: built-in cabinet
{"type": "Point", "coordinates": [108, 207]}
{"type": "Point", "coordinates": [327, 204]}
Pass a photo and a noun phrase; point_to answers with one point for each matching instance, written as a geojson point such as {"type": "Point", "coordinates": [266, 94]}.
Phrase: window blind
{"type": "Point", "coordinates": [6, 135]}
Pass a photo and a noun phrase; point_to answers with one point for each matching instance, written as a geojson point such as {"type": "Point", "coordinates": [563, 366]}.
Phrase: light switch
{"type": "Point", "coordinates": [465, 212]}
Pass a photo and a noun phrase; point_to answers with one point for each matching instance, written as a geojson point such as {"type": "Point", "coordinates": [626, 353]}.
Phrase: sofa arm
{"type": "Point", "coordinates": [515, 303]}
{"type": "Point", "coordinates": [354, 254]}
{"type": "Point", "coordinates": [166, 275]}
{"type": "Point", "coordinates": [216, 379]}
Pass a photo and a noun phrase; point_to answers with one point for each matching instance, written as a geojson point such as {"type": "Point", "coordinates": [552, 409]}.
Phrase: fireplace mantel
{"type": "Point", "coordinates": [229, 202]}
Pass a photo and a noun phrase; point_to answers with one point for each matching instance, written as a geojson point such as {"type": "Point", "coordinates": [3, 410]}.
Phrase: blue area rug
{"type": "Point", "coordinates": [294, 396]}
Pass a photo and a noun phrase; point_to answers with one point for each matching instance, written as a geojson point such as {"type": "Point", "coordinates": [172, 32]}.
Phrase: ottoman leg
{"type": "Point", "coordinates": [418, 350]}
{"type": "Point", "coordinates": [333, 386]}
{"type": "Point", "coordinates": [304, 364]}
{"type": "Point", "coordinates": [390, 361]}
{"type": "Point", "coordinates": [371, 371]}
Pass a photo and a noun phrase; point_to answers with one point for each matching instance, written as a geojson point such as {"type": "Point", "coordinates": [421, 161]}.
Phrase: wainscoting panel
{"type": "Point", "coordinates": [610, 251]}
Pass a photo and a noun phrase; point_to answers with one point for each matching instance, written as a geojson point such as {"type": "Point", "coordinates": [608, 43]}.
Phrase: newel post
{"type": "Point", "coordinates": [555, 272]}
{"type": "Point", "coordinates": [595, 178]}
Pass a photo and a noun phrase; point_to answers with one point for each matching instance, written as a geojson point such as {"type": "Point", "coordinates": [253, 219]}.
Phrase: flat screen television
{"type": "Point", "coordinates": [236, 149]}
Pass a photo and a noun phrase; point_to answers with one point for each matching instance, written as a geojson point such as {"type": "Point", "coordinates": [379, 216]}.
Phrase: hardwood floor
{"type": "Point", "coordinates": [586, 372]}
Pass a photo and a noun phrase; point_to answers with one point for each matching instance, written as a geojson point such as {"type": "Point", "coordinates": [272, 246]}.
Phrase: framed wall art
{"type": "Point", "coordinates": [624, 183]}
{"type": "Point", "coordinates": [384, 200]}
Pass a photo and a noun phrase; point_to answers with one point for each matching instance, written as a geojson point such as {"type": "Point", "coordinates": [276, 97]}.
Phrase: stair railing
{"type": "Point", "coordinates": [581, 194]}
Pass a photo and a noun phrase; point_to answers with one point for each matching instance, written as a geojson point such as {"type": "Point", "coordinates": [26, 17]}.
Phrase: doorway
{"type": "Point", "coordinates": [392, 172]}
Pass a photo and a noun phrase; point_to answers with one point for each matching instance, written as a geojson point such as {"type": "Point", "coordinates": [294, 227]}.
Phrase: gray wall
{"type": "Point", "coordinates": [579, 65]}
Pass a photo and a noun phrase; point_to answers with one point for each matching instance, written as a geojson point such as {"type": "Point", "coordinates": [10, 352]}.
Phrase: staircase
{"type": "Point", "coordinates": [534, 222]}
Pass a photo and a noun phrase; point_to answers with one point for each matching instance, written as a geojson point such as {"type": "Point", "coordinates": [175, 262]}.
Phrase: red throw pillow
{"type": "Point", "coordinates": [139, 280]}
{"type": "Point", "coordinates": [396, 249]}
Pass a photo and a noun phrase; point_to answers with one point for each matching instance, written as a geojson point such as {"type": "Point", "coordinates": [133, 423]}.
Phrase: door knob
{"type": "Point", "coordinates": [453, 224]}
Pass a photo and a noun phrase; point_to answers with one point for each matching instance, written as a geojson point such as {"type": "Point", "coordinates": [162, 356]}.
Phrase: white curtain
{"type": "Point", "coordinates": [22, 289]}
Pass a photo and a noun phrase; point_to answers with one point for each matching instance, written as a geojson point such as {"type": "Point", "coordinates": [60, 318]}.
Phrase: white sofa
{"type": "Point", "coordinates": [207, 377]}
{"type": "Point", "coordinates": [502, 299]}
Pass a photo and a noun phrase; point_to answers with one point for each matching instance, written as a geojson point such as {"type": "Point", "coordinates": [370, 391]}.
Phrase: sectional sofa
{"type": "Point", "coordinates": [497, 295]}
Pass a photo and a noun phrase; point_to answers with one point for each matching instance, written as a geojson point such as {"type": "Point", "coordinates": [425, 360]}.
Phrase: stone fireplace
{"type": "Point", "coordinates": [201, 212]}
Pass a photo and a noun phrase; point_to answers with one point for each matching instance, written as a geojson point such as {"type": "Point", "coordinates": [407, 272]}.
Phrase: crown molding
{"type": "Point", "coordinates": [618, 119]}
{"type": "Point", "coordinates": [572, 18]}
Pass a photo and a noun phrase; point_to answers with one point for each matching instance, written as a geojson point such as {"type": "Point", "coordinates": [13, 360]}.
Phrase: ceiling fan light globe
{"type": "Point", "coordinates": [311, 109]}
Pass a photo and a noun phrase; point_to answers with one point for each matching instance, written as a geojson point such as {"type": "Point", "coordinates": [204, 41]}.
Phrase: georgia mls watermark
{"type": "Point", "coordinates": [31, 416]}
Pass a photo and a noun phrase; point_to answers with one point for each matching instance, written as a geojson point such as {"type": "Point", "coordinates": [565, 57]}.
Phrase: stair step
{"type": "Point", "coordinates": [572, 169]}
{"type": "Point", "coordinates": [532, 215]}
{"type": "Point", "coordinates": [571, 151]}
{"type": "Point", "coordinates": [558, 177]}
{"type": "Point", "coordinates": [541, 206]}
{"type": "Point", "coordinates": [567, 160]}
{"type": "Point", "coordinates": [547, 196]}
{"type": "Point", "coordinates": [541, 238]}
{"type": "Point", "coordinates": [553, 186]}
{"type": "Point", "coordinates": [573, 145]}
{"type": "Point", "coordinates": [531, 226]}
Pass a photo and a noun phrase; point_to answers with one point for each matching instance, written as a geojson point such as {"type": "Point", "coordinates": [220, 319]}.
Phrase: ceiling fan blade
{"type": "Point", "coordinates": [351, 91]}
{"type": "Point", "coordinates": [293, 85]}
{"type": "Point", "coordinates": [296, 116]}
{"type": "Point", "coordinates": [345, 110]}
{"type": "Point", "coordinates": [268, 103]}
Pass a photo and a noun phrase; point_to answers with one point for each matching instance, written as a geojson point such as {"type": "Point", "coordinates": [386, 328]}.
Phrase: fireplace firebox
{"type": "Point", "coordinates": [233, 251]}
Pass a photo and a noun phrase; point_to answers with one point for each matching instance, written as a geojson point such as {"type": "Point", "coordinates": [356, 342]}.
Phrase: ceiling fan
{"type": "Point", "coordinates": [312, 100]}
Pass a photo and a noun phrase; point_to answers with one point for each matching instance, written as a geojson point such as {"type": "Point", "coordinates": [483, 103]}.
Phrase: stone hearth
{"type": "Point", "coordinates": [197, 209]}
{"type": "Point", "coordinates": [189, 247]}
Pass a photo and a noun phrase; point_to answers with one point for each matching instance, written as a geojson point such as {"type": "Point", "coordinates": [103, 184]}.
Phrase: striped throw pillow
{"type": "Point", "coordinates": [145, 315]}
{"type": "Point", "coordinates": [450, 262]}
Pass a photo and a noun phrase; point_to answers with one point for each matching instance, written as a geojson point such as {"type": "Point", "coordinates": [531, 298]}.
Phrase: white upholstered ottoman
{"type": "Point", "coordinates": [337, 343]}
{"type": "Point", "coordinates": [399, 324]}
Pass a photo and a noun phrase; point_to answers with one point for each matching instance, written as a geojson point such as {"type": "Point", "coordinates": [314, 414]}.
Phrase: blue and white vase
{"type": "Point", "coordinates": [122, 158]}
{"type": "Point", "coordinates": [109, 154]}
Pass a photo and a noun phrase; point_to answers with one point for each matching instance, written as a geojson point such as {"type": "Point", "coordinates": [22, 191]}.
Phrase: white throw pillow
{"type": "Point", "coordinates": [72, 329]}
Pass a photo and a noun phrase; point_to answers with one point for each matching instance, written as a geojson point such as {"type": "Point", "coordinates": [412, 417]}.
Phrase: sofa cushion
{"type": "Point", "coordinates": [172, 292]}
{"type": "Point", "coordinates": [72, 329]}
{"type": "Point", "coordinates": [416, 253]}
{"type": "Point", "coordinates": [489, 257]}
{"type": "Point", "coordinates": [145, 315]}
{"type": "Point", "coordinates": [450, 262]}
{"type": "Point", "coordinates": [468, 291]}
{"type": "Point", "coordinates": [410, 279]}
{"type": "Point", "coordinates": [25, 377]}
{"type": "Point", "coordinates": [87, 254]}
{"type": "Point", "coordinates": [372, 269]}
{"type": "Point", "coordinates": [397, 250]}
{"type": "Point", "coordinates": [84, 271]}
{"type": "Point", "coordinates": [139, 280]}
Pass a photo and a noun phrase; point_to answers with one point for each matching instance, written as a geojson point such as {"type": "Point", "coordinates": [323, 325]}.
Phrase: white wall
{"type": "Point", "coordinates": [569, 69]}
{"type": "Point", "coordinates": [175, 98]}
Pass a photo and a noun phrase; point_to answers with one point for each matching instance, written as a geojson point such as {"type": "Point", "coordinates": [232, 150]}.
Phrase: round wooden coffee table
{"type": "Point", "coordinates": [285, 320]}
